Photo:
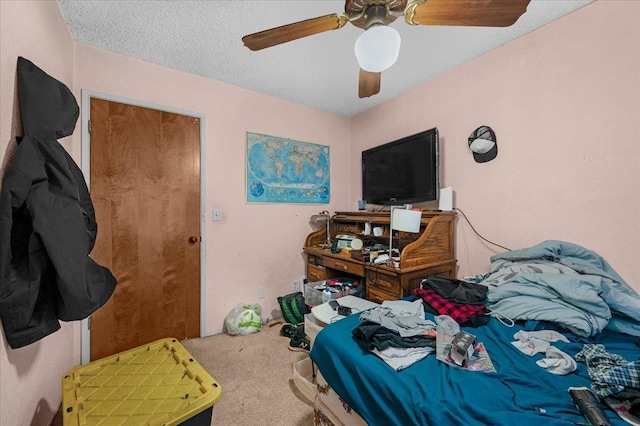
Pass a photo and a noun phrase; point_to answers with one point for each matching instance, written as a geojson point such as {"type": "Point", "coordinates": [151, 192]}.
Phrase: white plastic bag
{"type": "Point", "coordinates": [244, 319]}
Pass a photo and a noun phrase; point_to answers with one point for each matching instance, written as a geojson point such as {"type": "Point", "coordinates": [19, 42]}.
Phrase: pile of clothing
{"type": "Point", "coordinates": [397, 333]}
{"type": "Point", "coordinates": [534, 342]}
{"type": "Point", "coordinates": [615, 379]}
{"type": "Point", "coordinates": [463, 301]}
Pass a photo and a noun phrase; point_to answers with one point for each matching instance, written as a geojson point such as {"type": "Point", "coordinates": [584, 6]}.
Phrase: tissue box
{"type": "Point", "coordinates": [462, 347]}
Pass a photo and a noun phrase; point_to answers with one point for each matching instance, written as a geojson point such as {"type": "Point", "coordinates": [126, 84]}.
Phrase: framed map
{"type": "Point", "coordinates": [286, 171]}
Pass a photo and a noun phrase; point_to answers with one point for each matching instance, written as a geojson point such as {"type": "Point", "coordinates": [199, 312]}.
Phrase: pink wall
{"type": "Point", "coordinates": [563, 102]}
{"type": "Point", "coordinates": [255, 245]}
{"type": "Point", "coordinates": [30, 377]}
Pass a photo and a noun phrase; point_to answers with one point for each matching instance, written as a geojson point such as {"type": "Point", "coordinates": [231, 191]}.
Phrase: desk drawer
{"type": "Point", "coordinates": [385, 283]}
{"type": "Point", "coordinates": [377, 296]}
{"type": "Point", "coordinates": [315, 273]}
{"type": "Point", "coordinates": [344, 266]}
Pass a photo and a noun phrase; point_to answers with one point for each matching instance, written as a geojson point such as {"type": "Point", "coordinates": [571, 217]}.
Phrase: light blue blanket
{"type": "Point", "coordinates": [563, 283]}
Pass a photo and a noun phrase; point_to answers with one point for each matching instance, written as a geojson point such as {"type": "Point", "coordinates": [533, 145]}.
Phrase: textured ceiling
{"type": "Point", "coordinates": [204, 38]}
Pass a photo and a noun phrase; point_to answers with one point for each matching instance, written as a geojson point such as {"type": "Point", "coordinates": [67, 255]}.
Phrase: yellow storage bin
{"type": "Point", "coordinates": [155, 384]}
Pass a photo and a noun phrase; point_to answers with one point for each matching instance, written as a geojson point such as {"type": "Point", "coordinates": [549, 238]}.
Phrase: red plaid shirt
{"type": "Point", "coordinates": [460, 312]}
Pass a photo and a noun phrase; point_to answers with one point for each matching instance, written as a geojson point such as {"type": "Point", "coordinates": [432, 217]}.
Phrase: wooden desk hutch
{"type": "Point", "coordinates": [429, 252]}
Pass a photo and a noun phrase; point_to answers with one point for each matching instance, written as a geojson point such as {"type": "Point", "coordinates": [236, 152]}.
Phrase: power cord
{"type": "Point", "coordinates": [539, 410]}
{"type": "Point", "coordinates": [477, 233]}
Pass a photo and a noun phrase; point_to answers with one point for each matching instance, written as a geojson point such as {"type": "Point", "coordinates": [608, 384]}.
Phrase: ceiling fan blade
{"type": "Point", "coordinates": [285, 33]}
{"type": "Point", "coordinates": [369, 83]}
{"type": "Point", "coordinates": [487, 13]}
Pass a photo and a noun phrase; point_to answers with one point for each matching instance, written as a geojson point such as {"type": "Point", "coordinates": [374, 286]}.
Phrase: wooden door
{"type": "Point", "coordinates": [145, 186]}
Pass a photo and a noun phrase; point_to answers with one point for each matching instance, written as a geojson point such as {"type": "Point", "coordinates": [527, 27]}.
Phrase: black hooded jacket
{"type": "Point", "coordinates": [47, 220]}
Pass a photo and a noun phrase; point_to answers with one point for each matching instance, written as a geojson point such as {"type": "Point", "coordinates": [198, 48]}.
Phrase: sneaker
{"type": "Point", "coordinates": [299, 343]}
{"type": "Point", "coordinates": [288, 330]}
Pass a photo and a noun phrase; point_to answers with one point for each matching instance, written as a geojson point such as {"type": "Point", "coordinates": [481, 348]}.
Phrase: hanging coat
{"type": "Point", "coordinates": [47, 220]}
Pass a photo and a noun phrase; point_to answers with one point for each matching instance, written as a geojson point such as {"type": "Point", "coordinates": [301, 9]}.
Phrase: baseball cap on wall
{"type": "Point", "coordinates": [483, 144]}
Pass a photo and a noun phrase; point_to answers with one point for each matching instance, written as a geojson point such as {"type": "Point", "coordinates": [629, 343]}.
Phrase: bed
{"type": "Point", "coordinates": [430, 392]}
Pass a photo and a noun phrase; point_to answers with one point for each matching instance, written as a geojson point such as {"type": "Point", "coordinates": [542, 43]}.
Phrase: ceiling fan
{"type": "Point", "coordinates": [378, 47]}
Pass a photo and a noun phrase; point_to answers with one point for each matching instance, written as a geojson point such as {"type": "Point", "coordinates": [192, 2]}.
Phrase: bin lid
{"type": "Point", "coordinates": [327, 315]}
{"type": "Point", "coordinates": [155, 384]}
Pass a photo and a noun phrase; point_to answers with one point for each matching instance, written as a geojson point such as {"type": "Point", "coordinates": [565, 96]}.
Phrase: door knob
{"type": "Point", "coordinates": [193, 240]}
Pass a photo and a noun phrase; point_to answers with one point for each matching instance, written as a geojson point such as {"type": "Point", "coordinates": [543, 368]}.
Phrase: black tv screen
{"type": "Point", "coordinates": [403, 171]}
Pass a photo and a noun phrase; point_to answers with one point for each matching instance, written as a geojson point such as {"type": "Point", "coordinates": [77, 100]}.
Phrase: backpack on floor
{"type": "Point", "coordinates": [293, 307]}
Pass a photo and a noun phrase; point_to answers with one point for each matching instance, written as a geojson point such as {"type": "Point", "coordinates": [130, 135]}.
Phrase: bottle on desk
{"type": "Point", "coordinates": [326, 294]}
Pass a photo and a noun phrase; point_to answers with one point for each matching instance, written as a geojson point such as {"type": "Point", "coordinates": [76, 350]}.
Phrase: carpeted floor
{"type": "Point", "coordinates": [256, 376]}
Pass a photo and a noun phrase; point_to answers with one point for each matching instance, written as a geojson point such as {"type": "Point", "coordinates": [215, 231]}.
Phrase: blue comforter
{"type": "Point", "coordinates": [563, 283]}
{"type": "Point", "coordinates": [432, 393]}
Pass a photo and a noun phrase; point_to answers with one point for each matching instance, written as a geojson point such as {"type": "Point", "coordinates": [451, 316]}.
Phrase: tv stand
{"type": "Point", "coordinates": [429, 252]}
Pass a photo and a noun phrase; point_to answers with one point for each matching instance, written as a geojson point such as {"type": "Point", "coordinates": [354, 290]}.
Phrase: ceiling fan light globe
{"type": "Point", "coordinates": [377, 48]}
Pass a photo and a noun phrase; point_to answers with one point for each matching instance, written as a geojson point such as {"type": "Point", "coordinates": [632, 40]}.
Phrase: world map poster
{"type": "Point", "coordinates": [286, 171]}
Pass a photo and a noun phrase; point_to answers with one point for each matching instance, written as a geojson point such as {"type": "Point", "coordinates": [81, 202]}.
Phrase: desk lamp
{"type": "Point", "coordinates": [323, 217]}
{"type": "Point", "coordinates": [403, 220]}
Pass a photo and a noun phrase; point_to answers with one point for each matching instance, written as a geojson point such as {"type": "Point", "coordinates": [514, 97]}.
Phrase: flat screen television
{"type": "Point", "coordinates": [403, 171]}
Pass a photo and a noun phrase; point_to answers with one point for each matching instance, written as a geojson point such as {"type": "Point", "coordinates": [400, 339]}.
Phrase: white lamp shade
{"type": "Point", "coordinates": [481, 146]}
{"type": "Point", "coordinates": [377, 48]}
{"type": "Point", "coordinates": [319, 218]}
{"type": "Point", "coordinates": [406, 220]}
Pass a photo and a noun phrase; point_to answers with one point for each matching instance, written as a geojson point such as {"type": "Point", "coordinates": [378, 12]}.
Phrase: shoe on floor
{"type": "Point", "coordinates": [288, 330]}
{"type": "Point", "coordinates": [299, 343]}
